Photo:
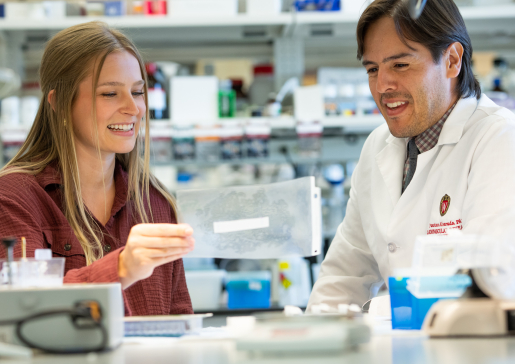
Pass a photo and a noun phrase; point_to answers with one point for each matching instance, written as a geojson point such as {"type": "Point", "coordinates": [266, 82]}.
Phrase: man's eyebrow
{"type": "Point", "coordinates": [114, 83]}
{"type": "Point", "coordinates": [388, 59]}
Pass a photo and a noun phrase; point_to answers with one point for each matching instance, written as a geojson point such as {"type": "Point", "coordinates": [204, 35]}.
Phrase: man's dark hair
{"type": "Point", "coordinates": [440, 25]}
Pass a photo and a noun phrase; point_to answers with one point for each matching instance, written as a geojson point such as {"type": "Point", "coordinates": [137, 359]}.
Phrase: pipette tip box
{"type": "Point", "coordinates": [164, 326]}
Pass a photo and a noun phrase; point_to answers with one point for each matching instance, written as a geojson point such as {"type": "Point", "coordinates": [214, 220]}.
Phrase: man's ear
{"type": "Point", "coordinates": [51, 99]}
{"type": "Point", "coordinates": [453, 55]}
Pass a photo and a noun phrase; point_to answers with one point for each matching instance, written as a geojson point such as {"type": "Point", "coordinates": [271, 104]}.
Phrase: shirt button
{"type": "Point", "coordinates": [392, 248]}
{"type": "Point", "coordinates": [67, 247]}
{"type": "Point", "coordinates": [107, 248]}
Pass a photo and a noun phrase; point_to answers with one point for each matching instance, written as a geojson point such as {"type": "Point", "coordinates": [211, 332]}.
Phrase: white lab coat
{"type": "Point", "coordinates": [473, 163]}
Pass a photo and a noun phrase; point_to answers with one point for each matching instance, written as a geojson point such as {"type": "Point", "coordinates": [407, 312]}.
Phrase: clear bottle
{"type": "Point", "coordinates": [334, 174]}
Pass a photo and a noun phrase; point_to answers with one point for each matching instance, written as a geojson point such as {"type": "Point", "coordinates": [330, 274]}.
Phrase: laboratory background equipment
{"type": "Point", "coordinates": [64, 319]}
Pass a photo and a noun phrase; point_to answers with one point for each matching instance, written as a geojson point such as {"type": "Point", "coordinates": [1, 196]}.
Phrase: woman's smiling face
{"type": "Point", "coordinates": [120, 106]}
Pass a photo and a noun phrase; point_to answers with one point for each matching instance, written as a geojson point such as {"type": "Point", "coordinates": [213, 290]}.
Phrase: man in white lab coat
{"type": "Point", "coordinates": [445, 159]}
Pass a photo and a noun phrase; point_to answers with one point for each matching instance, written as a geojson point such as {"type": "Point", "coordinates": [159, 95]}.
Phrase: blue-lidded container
{"type": "Point", "coordinates": [408, 311]}
{"type": "Point", "coordinates": [248, 289]}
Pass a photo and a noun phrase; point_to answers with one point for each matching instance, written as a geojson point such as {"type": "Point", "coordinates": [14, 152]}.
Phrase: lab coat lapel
{"type": "Point", "coordinates": [390, 162]}
{"type": "Point", "coordinates": [431, 160]}
{"type": "Point", "coordinates": [451, 133]}
{"type": "Point", "coordinates": [453, 128]}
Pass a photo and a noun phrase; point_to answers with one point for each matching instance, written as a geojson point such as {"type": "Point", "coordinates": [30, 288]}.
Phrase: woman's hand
{"type": "Point", "coordinates": [152, 245]}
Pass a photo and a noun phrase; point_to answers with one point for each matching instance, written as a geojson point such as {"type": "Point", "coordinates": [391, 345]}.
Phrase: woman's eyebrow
{"type": "Point", "coordinates": [115, 83]}
{"type": "Point", "coordinates": [112, 83]}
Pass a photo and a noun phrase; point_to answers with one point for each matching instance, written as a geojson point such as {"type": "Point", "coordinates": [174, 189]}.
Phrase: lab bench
{"type": "Point", "coordinates": [385, 347]}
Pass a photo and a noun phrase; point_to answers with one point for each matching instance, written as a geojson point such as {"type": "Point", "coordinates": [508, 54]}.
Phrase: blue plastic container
{"type": "Point", "coordinates": [248, 290]}
{"type": "Point", "coordinates": [317, 5]}
{"type": "Point", "coordinates": [408, 311]}
{"type": "Point", "coordinates": [114, 8]}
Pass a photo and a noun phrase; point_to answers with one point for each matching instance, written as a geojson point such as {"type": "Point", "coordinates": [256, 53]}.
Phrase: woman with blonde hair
{"type": "Point", "coordinates": [79, 186]}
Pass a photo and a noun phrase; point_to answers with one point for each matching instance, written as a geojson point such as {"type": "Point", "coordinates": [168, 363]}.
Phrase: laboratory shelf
{"type": "Point", "coordinates": [256, 161]}
{"type": "Point", "coordinates": [169, 21]}
{"type": "Point", "coordinates": [468, 13]}
{"type": "Point", "coordinates": [351, 124]}
{"type": "Point", "coordinates": [156, 21]}
{"type": "Point", "coordinates": [334, 149]}
{"type": "Point", "coordinates": [487, 12]}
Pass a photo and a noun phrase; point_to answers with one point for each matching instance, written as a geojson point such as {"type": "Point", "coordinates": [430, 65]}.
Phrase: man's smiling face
{"type": "Point", "coordinates": [411, 90]}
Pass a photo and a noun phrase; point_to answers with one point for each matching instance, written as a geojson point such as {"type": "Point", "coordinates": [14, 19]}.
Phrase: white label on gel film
{"type": "Point", "coordinates": [221, 227]}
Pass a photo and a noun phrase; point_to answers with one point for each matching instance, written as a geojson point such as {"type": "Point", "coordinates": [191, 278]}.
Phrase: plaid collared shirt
{"type": "Point", "coordinates": [427, 140]}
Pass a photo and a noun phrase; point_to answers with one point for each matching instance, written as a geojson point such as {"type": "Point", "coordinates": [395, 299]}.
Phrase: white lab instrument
{"type": "Point", "coordinates": [254, 222]}
{"type": "Point", "coordinates": [66, 319]}
{"type": "Point", "coordinates": [205, 288]}
{"type": "Point", "coordinates": [309, 104]}
{"type": "Point", "coordinates": [309, 334]}
{"type": "Point", "coordinates": [492, 264]}
{"type": "Point", "coordinates": [470, 317]}
{"type": "Point", "coordinates": [194, 100]}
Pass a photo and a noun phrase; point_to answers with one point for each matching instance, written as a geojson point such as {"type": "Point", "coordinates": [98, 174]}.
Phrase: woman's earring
{"type": "Point", "coordinates": [64, 122]}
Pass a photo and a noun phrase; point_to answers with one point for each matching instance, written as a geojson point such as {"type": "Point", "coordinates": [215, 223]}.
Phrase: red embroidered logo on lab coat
{"type": "Point", "coordinates": [445, 202]}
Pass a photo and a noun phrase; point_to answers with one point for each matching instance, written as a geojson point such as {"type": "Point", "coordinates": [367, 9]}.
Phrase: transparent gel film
{"type": "Point", "coordinates": [254, 222]}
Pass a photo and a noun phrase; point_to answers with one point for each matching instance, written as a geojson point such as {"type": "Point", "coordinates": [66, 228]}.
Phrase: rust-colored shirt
{"type": "Point", "coordinates": [31, 206]}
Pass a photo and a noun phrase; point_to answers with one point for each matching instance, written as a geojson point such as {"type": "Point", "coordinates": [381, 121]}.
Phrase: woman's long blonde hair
{"type": "Point", "coordinates": [66, 63]}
